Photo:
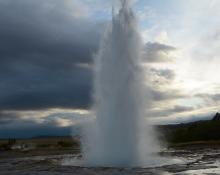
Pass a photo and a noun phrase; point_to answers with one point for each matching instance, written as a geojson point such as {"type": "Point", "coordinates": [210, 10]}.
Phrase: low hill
{"type": "Point", "coordinates": [192, 132]}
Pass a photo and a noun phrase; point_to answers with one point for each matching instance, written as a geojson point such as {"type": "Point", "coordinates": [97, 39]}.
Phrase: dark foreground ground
{"type": "Point", "coordinates": [187, 160]}
{"type": "Point", "coordinates": [187, 154]}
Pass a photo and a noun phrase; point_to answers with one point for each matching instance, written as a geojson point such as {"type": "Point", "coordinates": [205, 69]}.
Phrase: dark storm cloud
{"type": "Point", "coordinates": [166, 73]}
{"type": "Point", "coordinates": [209, 99]}
{"type": "Point", "coordinates": [157, 52]}
{"type": "Point", "coordinates": [160, 77]}
{"type": "Point", "coordinates": [167, 95]}
{"type": "Point", "coordinates": [167, 112]}
{"type": "Point", "coordinates": [41, 45]}
{"type": "Point", "coordinates": [178, 109]}
{"type": "Point", "coordinates": [214, 97]}
{"type": "Point", "coordinates": [66, 89]}
{"type": "Point", "coordinates": [29, 128]}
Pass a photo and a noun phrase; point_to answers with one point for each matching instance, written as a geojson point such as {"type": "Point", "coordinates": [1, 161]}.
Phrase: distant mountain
{"type": "Point", "coordinates": [196, 131]}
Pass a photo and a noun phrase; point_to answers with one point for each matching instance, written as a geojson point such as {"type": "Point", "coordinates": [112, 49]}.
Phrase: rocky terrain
{"type": "Point", "coordinates": [196, 161]}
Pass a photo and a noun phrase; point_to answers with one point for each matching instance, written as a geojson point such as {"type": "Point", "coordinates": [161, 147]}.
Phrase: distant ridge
{"type": "Point", "coordinates": [206, 130]}
{"type": "Point", "coordinates": [216, 117]}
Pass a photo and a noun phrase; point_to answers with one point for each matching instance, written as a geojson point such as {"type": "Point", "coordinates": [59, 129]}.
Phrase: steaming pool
{"type": "Point", "coordinates": [179, 162]}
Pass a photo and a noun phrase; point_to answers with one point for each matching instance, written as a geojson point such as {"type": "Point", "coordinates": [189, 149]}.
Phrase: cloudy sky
{"type": "Point", "coordinates": [46, 61]}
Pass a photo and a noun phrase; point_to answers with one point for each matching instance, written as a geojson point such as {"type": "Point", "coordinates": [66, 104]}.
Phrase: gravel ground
{"type": "Point", "coordinates": [194, 162]}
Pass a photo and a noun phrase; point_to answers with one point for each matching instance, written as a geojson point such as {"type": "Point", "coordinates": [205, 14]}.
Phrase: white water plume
{"type": "Point", "coordinates": [120, 134]}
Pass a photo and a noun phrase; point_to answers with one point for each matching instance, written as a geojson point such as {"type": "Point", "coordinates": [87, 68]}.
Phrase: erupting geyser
{"type": "Point", "coordinates": [120, 134]}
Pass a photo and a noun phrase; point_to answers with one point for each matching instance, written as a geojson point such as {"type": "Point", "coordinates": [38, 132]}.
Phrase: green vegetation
{"type": "Point", "coordinates": [67, 144]}
{"type": "Point", "coordinates": [46, 143]}
{"type": "Point", "coordinates": [5, 147]}
{"type": "Point", "coordinates": [196, 144]}
{"type": "Point", "coordinates": [201, 131]}
{"type": "Point", "coordinates": [43, 145]}
{"type": "Point", "coordinates": [6, 144]}
{"type": "Point", "coordinates": [196, 132]}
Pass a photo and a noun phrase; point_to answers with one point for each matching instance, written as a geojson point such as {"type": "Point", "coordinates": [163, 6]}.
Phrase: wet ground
{"type": "Point", "coordinates": [202, 161]}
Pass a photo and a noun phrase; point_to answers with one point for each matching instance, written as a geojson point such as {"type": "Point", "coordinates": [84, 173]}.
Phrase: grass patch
{"type": "Point", "coordinates": [66, 144]}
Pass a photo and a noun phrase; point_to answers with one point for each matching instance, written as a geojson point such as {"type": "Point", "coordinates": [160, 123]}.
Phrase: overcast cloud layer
{"type": "Point", "coordinates": [46, 56]}
{"type": "Point", "coordinates": [41, 47]}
